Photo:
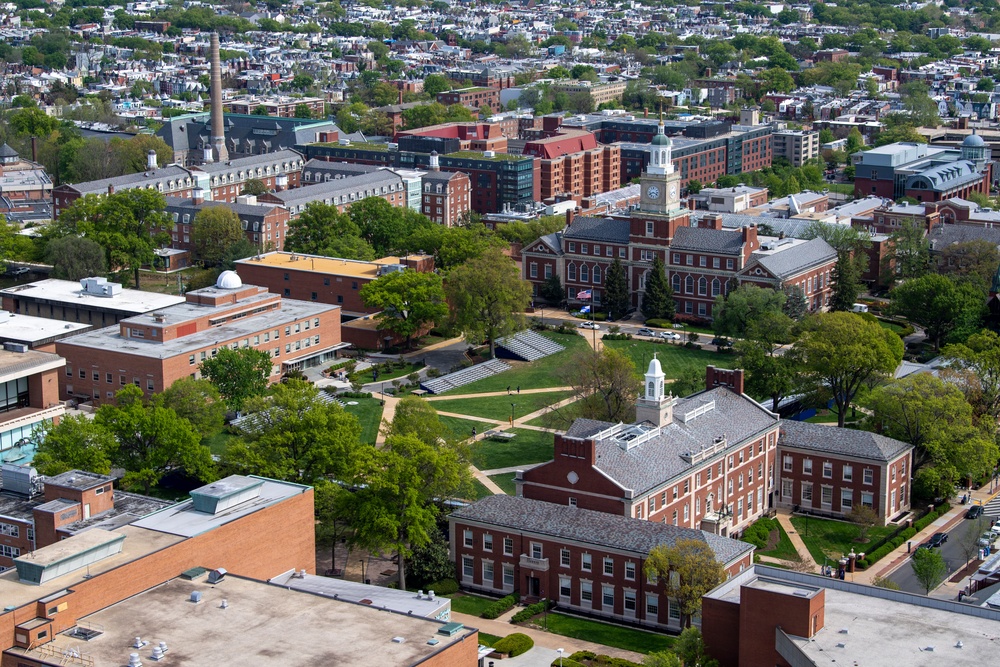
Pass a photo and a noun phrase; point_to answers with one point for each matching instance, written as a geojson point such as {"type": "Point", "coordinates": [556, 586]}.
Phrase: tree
{"type": "Point", "coordinates": [690, 647]}
{"type": "Point", "coordinates": [76, 443]}
{"type": "Point", "coordinates": [239, 375]}
{"type": "Point", "coordinates": [294, 435]}
{"type": "Point", "coordinates": [431, 562]}
{"type": "Point", "coordinates": [255, 187]}
{"type": "Point", "coordinates": [749, 307]}
{"type": "Point", "coordinates": [854, 141]}
{"type": "Point", "coordinates": [843, 352]}
{"type": "Point", "coordinates": [694, 186]}
{"type": "Point", "coordinates": [688, 571]}
{"type": "Point", "coordinates": [938, 304]}
{"type": "Point", "coordinates": [658, 299]}
{"type": "Point", "coordinates": [488, 297]}
{"type": "Point", "coordinates": [322, 230]}
{"type": "Point", "coordinates": [380, 223]}
{"type": "Point", "coordinates": [398, 494]}
{"type": "Point", "coordinates": [885, 582]}
{"type": "Point", "coordinates": [846, 277]}
{"type": "Point", "coordinates": [129, 226]}
{"type": "Point", "coordinates": [616, 294]}
{"type": "Point", "coordinates": [968, 542]}
{"type": "Point", "coordinates": [334, 506]}
{"type": "Point", "coordinates": [796, 307]}
{"type": "Point", "coordinates": [974, 261]}
{"type": "Point", "coordinates": [606, 384]}
{"type": "Point", "coordinates": [907, 255]}
{"type": "Point", "coordinates": [75, 257]}
{"type": "Point", "coordinates": [923, 111]}
{"type": "Point", "coordinates": [552, 290]}
{"type": "Point", "coordinates": [661, 659]}
{"type": "Point", "coordinates": [977, 364]}
{"type": "Point", "coordinates": [436, 83]}
{"type": "Point", "coordinates": [303, 111]}
{"type": "Point", "coordinates": [929, 568]}
{"type": "Point", "coordinates": [151, 440]}
{"type": "Point", "coordinates": [197, 401]}
{"type": "Point", "coordinates": [934, 417]}
{"type": "Point", "coordinates": [408, 301]}
{"type": "Point", "coordinates": [215, 229]}
{"type": "Point", "coordinates": [865, 518]}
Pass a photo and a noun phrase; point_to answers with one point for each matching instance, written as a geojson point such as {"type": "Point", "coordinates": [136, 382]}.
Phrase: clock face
{"type": "Point", "coordinates": [673, 191]}
{"type": "Point", "coordinates": [653, 192]}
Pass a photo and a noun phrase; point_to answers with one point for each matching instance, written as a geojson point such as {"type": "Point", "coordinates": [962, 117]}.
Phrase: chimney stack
{"type": "Point", "coordinates": [197, 196]}
{"type": "Point", "coordinates": [434, 164]}
{"type": "Point", "coordinates": [151, 160]}
{"type": "Point", "coordinates": [218, 133]}
{"type": "Point", "coordinates": [34, 149]}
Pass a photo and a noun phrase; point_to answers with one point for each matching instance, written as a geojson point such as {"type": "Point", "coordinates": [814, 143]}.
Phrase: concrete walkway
{"type": "Point", "coordinates": [485, 480]}
{"type": "Point", "coordinates": [785, 520]}
{"type": "Point", "coordinates": [502, 627]}
{"type": "Point", "coordinates": [485, 394]}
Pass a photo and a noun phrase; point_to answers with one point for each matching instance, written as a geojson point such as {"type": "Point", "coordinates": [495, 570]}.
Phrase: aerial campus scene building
{"type": "Point", "coordinates": [430, 333]}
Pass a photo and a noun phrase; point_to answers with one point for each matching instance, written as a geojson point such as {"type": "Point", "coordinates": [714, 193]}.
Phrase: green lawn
{"type": "Point", "coordinates": [628, 639]}
{"type": "Point", "coordinates": [506, 482]}
{"type": "Point", "coordinates": [369, 413]}
{"type": "Point", "coordinates": [784, 549]}
{"type": "Point", "coordinates": [499, 407]}
{"type": "Point", "coordinates": [528, 447]}
{"type": "Point", "coordinates": [462, 428]}
{"type": "Point", "coordinates": [470, 604]}
{"type": "Point", "coordinates": [834, 539]}
{"type": "Point", "coordinates": [479, 490]}
{"type": "Point", "coordinates": [546, 372]}
{"type": "Point", "coordinates": [487, 639]}
{"type": "Point", "coordinates": [217, 443]}
{"type": "Point", "coordinates": [675, 359]}
{"type": "Point", "coordinates": [365, 376]}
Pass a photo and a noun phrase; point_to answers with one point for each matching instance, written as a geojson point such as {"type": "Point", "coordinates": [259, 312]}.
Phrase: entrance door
{"type": "Point", "coordinates": [534, 586]}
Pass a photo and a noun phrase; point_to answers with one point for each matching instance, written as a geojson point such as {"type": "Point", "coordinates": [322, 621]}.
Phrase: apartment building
{"type": "Point", "coordinates": [586, 561]}
{"type": "Point", "coordinates": [153, 350]}
{"type": "Point", "coordinates": [599, 92]}
{"type": "Point", "coordinates": [829, 471]}
{"type": "Point", "coordinates": [29, 398]}
{"type": "Point", "coordinates": [279, 106]}
{"type": "Point", "coordinates": [474, 98]}
{"type": "Point", "coordinates": [572, 163]}
{"type": "Point", "coordinates": [445, 196]}
{"type": "Point", "coordinates": [796, 146]}
{"type": "Point", "coordinates": [265, 224]}
{"type": "Point", "coordinates": [342, 192]}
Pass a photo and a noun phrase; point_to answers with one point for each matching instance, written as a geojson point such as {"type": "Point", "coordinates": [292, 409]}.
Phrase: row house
{"type": "Point", "coordinates": [701, 462]}
{"type": "Point", "coordinates": [830, 471]}
{"type": "Point", "coordinates": [589, 562]}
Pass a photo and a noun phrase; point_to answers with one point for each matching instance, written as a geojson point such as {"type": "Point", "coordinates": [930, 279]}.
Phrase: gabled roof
{"type": "Point", "coordinates": [846, 441]}
{"type": "Point", "coordinates": [609, 230]}
{"type": "Point", "coordinates": [602, 529]}
{"type": "Point", "coordinates": [699, 239]}
{"type": "Point", "coordinates": [794, 259]}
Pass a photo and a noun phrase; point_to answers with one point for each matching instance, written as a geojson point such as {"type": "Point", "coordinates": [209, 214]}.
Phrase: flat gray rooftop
{"type": "Point", "coordinates": [110, 338]}
{"type": "Point", "coordinates": [379, 597]}
{"type": "Point", "coordinates": [262, 626]}
{"type": "Point", "coordinates": [182, 519]}
{"type": "Point", "coordinates": [53, 290]}
{"type": "Point", "coordinates": [30, 329]}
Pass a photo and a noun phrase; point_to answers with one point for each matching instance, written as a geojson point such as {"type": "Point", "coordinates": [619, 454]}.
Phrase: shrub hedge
{"type": "Point", "coordinates": [659, 324]}
{"type": "Point", "coordinates": [600, 317]}
{"type": "Point", "coordinates": [443, 587]}
{"type": "Point", "coordinates": [759, 532]}
{"type": "Point", "coordinates": [514, 644]}
{"type": "Point", "coordinates": [584, 658]}
{"type": "Point", "coordinates": [618, 336]}
{"type": "Point", "coordinates": [902, 536]}
{"type": "Point", "coordinates": [531, 610]}
{"type": "Point", "coordinates": [501, 606]}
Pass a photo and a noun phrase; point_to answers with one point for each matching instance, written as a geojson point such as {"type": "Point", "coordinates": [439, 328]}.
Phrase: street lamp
{"type": "Point", "coordinates": [512, 406]}
{"type": "Point", "coordinates": [560, 652]}
{"type": "Point", "coordinates": [363, 580]}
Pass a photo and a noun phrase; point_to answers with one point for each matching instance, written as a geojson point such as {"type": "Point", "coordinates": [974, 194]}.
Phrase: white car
{"type": "Point", "coordinates": [645, 332]}
{"type": "Point", "coordinates": [590, 325]}
{"type": "Point", "coordinates": [670, 335]}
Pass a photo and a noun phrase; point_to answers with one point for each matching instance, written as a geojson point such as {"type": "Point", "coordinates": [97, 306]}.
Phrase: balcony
{"type": "Point", "coordinates": [537, 564]}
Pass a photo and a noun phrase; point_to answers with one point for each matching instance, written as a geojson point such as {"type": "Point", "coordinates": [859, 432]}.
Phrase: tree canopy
{"type": "Point", "coordinates": [409, 301]}
{"type": "Point", "coordinates": [215, 230]}
{"type": "Point", "coordinates": [940, 305]}
{"type": "Point", "coordinates": [239, 375]}
{"type": "Point", "coordinates": [688, 570]}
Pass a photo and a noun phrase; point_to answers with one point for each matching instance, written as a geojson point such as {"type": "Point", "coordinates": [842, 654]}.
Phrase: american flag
{"type": "Point", "coordinates": [583, 295]}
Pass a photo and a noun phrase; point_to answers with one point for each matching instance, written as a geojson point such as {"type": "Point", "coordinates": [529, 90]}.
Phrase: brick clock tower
{"type": "Point", "coordinates": [660, 183]}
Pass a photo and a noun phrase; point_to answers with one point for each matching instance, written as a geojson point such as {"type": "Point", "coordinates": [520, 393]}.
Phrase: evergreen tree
{"type": "Point", "coordinates": [658, 299]}
{"type": "Point", "coordinates": [616, 290]}
{"type": "Point", "coordinates": [552, 290]}
{"type": "Point", "coordinates": [846, 282]}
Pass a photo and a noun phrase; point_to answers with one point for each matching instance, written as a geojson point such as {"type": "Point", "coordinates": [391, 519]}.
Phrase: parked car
{"type": "Point", "coordinates": [974, 512]}
{"type": "Point", "coordinates": [986, 539]}
{"type": "Point", "coordinates": [590, 325]}
{"type": "Point", "coordinates": [20, 271]}
{"type": "Point", "coordinates": [645, 332]}
{"type": "Point", "coordinates": [937, 539]}
{"type": "Point", "coordinates": [670, 335]}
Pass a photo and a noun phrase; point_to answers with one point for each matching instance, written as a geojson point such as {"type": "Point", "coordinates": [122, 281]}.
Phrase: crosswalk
{"type": "Point", "coordinates": [992, 508]}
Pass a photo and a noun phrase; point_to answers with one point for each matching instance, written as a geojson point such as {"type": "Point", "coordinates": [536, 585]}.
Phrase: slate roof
{"type": "Point", "coordinates": [834, 440]}
{"type": "Point", "coordinates": [180, 204]}
{"type": "Point", "coordinates": [942, 235]}
{"type": "Point", "coordinates": [611, 531]}
{"type": "Point", "coordinates": [336, 188]}
{"type": "Point", "coordinates": [553, 241]}
{"type": "Point", "coordinates": [945, 176]}
{"type": "Point", "coordinates": [794, 259]}
{"type": "Point", "coordinates": [250, 161]}
{"type": "Point", "coordinates": [608, 230]}
{"type": "Point", "coordinates": [648, 465]}
{"type": "Point", "coordinates": [138, 180]}
{"type": "Point", "coordinates": [721, 241]}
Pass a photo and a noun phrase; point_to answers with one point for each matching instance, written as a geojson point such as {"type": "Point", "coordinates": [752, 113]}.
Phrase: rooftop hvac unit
{"type": "Point", "coordinates": [22, 480]}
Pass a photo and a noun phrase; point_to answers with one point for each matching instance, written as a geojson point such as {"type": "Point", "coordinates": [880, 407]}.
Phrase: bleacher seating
{"type": "Point", "coordinates": [527, 345]}
{"type": "Point", "coordinates": [464, 376]}
{"type": "Point", "coordinates": [256, 420]}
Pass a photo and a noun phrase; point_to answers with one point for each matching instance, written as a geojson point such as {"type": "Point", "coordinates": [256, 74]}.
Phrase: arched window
{"type": "Point", "coordinates": [702, 286]}
{"type": "Point", "coordinates": [597, 275]}
{"type": "Point", "coordinates": [689, 285]}
{"type": "Point", "coordinates": [571, 272]}
{"type": "Point", "coordinates": [675, 283]}
{"type": "Point", "coordinates": [584, 274]}
{"type": "Point", "coordinates": [716, 287]}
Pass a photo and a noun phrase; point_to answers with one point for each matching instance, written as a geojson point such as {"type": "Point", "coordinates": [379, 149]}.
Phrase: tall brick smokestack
{"type": "Point", "coordinates": [218, 133]}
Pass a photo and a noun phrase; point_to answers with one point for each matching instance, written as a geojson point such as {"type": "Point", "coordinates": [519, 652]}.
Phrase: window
{"type": "Point", "coordinates": [468, 538]}
{"type": "Point", "coordinates": [536, 550]}
{"type": "Point", "coordinates": [9, 530]}
{"type": "Point", "coordinates": [869, 476]}
{"type": "Point", "coordinates": [630, 601]}
{"type": "Point", "coordinates": [674, 518]}
{"type": "Point", "coordinates": [564, 557]}
{"type": "Point", "coordinates": [846, 499]}
{"type": "Point", "coordinates": [607, 596]}
{"type": "Point", "coordinates": [83, 374]}
{"type": "Point", "coordinates": [597, 275]}
{"type": "Point", "coordinates": [467, 567]}
{"type": "Point", "coordinates": [807, 466]}
{"type": "Point", "coordinates": [533, 269]}
{"type": "Point", "coordinates": [687, 513]}
{"type": "Point", "coordinates": [110, 378]}
{"type": "Point", "coordinates": [565, 587]}
{"type": "Point", "coordinates": [826, 495]}
{"type": "Point", "coordinates": [586, 563]}
{"type": "Point", "coordinates": [487, 542]}
{"type": "Point", "coordinates": [673, 611]}
{"type": "Point", "coordinates": [652, 605]}
{"type": "Point", "coordinates": [848, 473]}
{"type": "Point", "coordinates": [149, 384]}
{"type": "Point", "coordinates": [807, 492]}
{"type": "Point", "coordinates": [652, 504]}
{"type": "Point", "coordinates": [649, 228]}
{"type": "Point", "coordinates": [827, 470]}
{"type": "Point", "coordinates": [630, 571]}
{"type": "Point", "coordinates": [583, 248]}
{"type": "Point", "coordinates": [508, 575]}
{"type": "Point", "coordinates": [586, 592]}
{"type": "Point", "coordinates": [488, 572]}
{"type": "Point", "coordinates": [508, 546]}
{"type": "Point", "coordinates": [867, 500]}
{"type": "Point", "coordinates": [572, 502]}
{"type": "Point", "coordinates": [609, 567]}
{"type": "Point", "coordinates": [715, 262]}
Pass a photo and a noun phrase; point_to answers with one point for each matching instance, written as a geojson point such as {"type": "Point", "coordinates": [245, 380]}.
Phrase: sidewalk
{"type": "Point", "coordinates": [785, 520]}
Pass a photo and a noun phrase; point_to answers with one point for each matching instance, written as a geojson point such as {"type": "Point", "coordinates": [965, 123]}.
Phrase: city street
{"type": "Point", "coordinates": [952, 551]}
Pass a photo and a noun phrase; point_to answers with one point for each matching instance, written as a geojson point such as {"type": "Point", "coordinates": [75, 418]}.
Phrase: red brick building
{"type": "Point", "coordinates": [572, 163]}
{"type": "Point", "coordinates": [152, 351]}
{"type": "Point", "coordinates": [265, 224]}
{"type": "Point", "coordinates": [703, 462]}
{"type": "Point", "coordinates": [828, 471]}
{"type": "Point", "coordinates": [472, 98]}
{"type": "Point", "coordinates": [451, 137]}
{"type": "Point", "coordinates": [445, 196]}
{"type": "Point", "coordinates": [342, 192]}
{"type": "Point", "coordinates": [587, 562]}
